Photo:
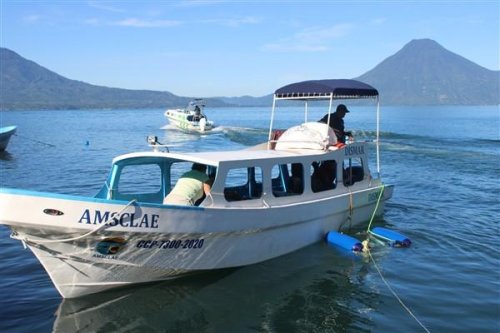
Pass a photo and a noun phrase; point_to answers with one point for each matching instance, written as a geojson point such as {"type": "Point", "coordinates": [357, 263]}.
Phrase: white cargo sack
{"type": "Point", "coordinates": [311, 135]}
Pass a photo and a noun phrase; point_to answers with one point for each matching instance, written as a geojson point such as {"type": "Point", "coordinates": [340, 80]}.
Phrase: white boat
{"type": "Point", "coordinates": [190, 119]}
{"type": "Point", "coordinates": [5, 134]}
{"type": "Point", "coordinates": [266, 201]}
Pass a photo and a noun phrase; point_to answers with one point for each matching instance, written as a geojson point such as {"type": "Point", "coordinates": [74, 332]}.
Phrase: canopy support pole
{"type": "Point", "coordinates": [305, 119]}
{"type": "Point", "coordinates": [328, 120]}
{"type": "Point", "coordinates": [378, 136]}
{"type": "Point", "coordinates": [271, 124]}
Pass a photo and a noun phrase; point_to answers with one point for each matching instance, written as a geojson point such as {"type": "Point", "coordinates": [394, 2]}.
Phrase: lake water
{"type": "Point", "coordinates": [444, 162]}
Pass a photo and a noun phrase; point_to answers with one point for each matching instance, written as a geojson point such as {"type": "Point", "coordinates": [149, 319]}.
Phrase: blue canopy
{"type": "Point", "coordinates": [340, 88]}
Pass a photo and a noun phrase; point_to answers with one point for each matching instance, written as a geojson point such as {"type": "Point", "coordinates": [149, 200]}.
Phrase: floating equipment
{"type": "Point", "coordinates": [394, 239]}
{"type": "Point", "coordinates": [344, 241]}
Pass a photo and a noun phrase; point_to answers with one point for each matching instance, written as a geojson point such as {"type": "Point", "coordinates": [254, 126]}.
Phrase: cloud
{"type": "Point", "coordinates": [314, 39]}
{"type": "Point", "coordinates": [240, 21]}
{"type": "Point", "coordinates": [378, 21]}
{"type": "Point", "coordinates": [140, 23]}
{"type": "Point", "coordinates": [31, 18]}
{"type": "Point", "coordinates": [290, 47]}
{"type": "Point", "coordinates": [101, 6]}
{"type": "Point", "coordinates": [91, 21]}
{"type": "Point", "coordinates": [234, 22]}
{"type": "Point", "coordinates": [193, 3]}
{"type": "Point", "coordinates": [162, 23]}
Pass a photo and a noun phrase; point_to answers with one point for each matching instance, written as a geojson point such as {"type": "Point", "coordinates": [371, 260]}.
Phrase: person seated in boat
{"type": "Point", "coordinates": [323, 177]}
{"type": "Point", "coordinates": [197, 113]}
{"type": "Point", "coordinates": [337, 122]}
{"type": "Point", "coordinates": [191, 187]}
{"type": "Point", "coordinates": [296, 184]}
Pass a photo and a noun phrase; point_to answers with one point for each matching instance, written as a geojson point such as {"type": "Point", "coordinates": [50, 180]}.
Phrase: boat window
{"type": "Point", "coordinates": [243, 184]}
{"type": "Point", "coordinates": [287, 179]}
{"type": "Point", "coordinates": [353, 170]}
{"type": "Point", "coordinates": [177, 170]}
{"type": "Point", "coordinates": [140, 179]}
{"type": "Point", "coordinates": [323, 175]}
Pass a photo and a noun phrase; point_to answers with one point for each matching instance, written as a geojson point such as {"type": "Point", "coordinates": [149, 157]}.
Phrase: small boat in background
{"type": "Point", "coordinates": [192, 118]}
{"type": "Point", "coordinates": [5, 134]}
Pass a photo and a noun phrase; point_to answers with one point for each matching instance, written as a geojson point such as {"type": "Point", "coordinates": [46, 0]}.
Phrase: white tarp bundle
{"type": "Point", "coordinates": [311, 135]}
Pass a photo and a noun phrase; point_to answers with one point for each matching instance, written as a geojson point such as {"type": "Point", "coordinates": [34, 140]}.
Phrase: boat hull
{"type": "Point", "coordinates": [150, 242]}
{"type": "Point", "coordinates": [179, 120]}
{"type": "Point", "coordinates": [5, 135]}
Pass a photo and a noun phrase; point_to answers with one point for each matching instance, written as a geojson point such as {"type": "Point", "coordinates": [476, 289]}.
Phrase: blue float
{"type": "Point", "coordinates": [344, 241]}
{"type": "Point", "coordinates": [394, 239]}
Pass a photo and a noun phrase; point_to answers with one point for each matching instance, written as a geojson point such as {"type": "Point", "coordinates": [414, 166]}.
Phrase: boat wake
{"type": "Point", "coordinates": [170, 127]}
{"type": "Point", "coordinates": [246, 136]}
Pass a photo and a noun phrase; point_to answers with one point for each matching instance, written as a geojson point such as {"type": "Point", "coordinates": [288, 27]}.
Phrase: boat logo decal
{"type": "Point", "coordinates": [110, 246]}
{"type": "Point", "coordinates": [125, 220]}
{"type": "Point", "coordinates": [170, 243]}
{"type": "Point", "coordinates": [354, 150]}
{"type": "Point", "coordinates": [53, 212]}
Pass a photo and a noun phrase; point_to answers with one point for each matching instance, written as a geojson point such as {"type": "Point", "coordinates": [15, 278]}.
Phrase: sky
{"type": "Point", "coordinates": [208, 48]}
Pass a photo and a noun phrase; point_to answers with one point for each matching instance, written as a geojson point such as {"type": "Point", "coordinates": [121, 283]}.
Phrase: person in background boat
{"type": "Point", "coordinates": [337, 122]}
{"type": "Point", "coordinates": [197, 113]}
{"type": "Point", "coordinates": [191, 187]}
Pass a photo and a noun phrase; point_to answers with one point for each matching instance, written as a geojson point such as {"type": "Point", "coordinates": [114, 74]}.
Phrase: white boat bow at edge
{"type": "Point", "coordinates": [265, 201]}
{"type": "Point", "coordinates": [5, 134]}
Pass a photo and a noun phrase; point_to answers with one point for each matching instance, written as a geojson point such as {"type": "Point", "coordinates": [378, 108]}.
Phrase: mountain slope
{"type": "Point", "coordinates": [423, 72]}
{"type": "Point", "coordinates": [27, 85]}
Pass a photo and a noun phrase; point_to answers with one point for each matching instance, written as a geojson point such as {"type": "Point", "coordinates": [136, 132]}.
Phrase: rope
{"type": "Point", "coordinates": [366, 249]}
{"type": "Point", "coordinates": [350, 203]}
{"type": "Point", "coordinates": [376, 207]}
{"type": "Point", "coordinates": [351, 208]}
{"type": "Point", "coordinates": [37, 141]}
{"type": "Point", "coordinates": [394, 293]}
{"type": "Point", "coordinates": [47, 241]}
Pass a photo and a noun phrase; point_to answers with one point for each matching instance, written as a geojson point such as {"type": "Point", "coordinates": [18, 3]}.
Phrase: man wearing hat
{"type": "Point", "coordinates": [337, 122]}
